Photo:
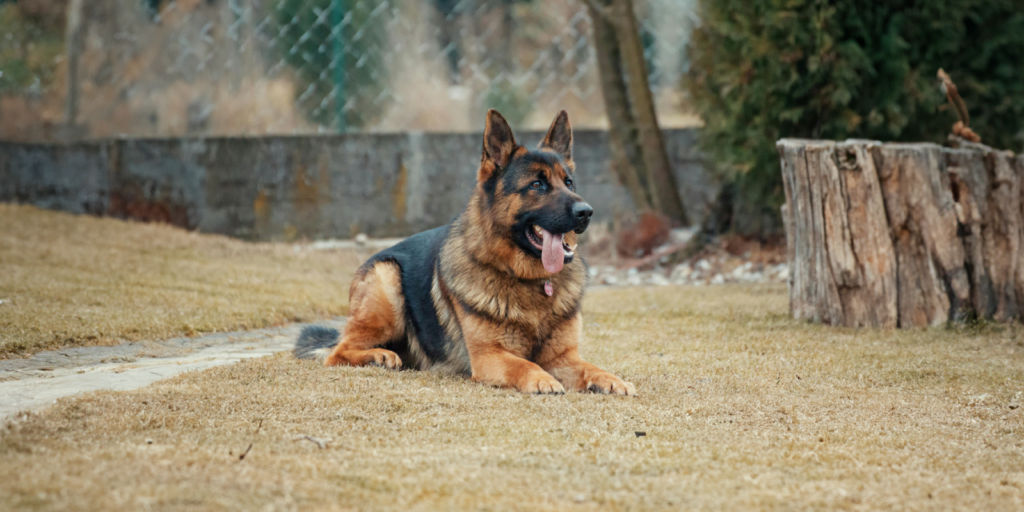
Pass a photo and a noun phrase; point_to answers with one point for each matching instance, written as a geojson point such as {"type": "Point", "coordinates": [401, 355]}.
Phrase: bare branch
{"type": "Point", "coordinates": [320, 443]}
{"type": "Point", "coordinates": [601, 10]}
{"type": "Point", "coordinates": [242, 456]}
{"type": "Point", "coordinates": [954, 97]}
{"type": "Point", "coordinates": [962, 127]}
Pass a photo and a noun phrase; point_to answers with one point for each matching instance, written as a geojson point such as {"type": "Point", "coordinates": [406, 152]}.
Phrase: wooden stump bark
{"type": "Point", "coordinates": [902, 235]}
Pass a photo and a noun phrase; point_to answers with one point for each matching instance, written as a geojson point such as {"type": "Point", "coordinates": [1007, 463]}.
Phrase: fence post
{"type": "Point", "coordinates": [337, 17]}
{"type": "Point", "coordinates": [71, 130]}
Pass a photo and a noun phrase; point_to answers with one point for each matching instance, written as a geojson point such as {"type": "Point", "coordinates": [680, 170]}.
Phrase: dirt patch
{"type": "Point", "coordinates": [740, 408]}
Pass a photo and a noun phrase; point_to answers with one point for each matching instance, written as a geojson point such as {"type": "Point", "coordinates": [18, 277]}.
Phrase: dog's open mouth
{"type": "Point", "coordinates": [553, 247]}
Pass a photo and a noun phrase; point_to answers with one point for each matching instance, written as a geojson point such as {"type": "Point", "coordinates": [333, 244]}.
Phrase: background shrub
{"type": "Point", "coordinates": [762, 70]}
{"type": "Point", "coordinates": [339, 64]}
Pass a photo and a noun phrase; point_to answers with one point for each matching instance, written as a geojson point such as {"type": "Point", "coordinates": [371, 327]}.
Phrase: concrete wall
{"type": "Point", "coordinates": [283, 188]}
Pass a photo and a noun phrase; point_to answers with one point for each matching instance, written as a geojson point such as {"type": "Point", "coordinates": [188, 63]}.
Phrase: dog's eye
{"type": "Point", "coordinates": [537, 184]}
{"type": "Point", "coordinates": [568, 182]}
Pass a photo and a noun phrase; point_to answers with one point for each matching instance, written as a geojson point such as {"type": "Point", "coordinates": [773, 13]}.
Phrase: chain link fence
{"type": "Point", "coordinates": [99, 68]}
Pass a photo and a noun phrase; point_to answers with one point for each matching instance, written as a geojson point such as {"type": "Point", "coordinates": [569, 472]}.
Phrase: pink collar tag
{"type": "Point", "coordinates": [549, 288]}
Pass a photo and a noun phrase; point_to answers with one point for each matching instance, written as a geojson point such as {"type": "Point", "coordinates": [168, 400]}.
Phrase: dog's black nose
{"type": "Point", "coordinates": [582, 211]}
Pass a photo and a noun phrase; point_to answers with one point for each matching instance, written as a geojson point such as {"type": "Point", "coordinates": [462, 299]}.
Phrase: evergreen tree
{"type": "Point", "coordinates": [337, 49]}
{"type": "Point", "coordinates": [762, 70]}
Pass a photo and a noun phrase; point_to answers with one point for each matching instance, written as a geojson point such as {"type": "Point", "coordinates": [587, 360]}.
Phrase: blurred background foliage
{"type": "Point", "coordinates": [753, 71]}
{"type": "Point", "coordinates": [762, 70]}
{"type": "Point", "coordinates": [164, 68]}
{"type": "Point", "coordinates": [32, 44]}
{"type": "Point", "coordinates": [339, 43]}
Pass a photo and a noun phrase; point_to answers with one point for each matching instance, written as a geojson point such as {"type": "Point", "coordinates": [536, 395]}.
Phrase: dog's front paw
{"type": "Point", "coordinates": [607, 383]}
{"type": "Point", "coordinates": [373, 356]}
{"type": "Point", "coordinates": [540, 382]}
{"type": "Point", "coordinates": [383, 357]}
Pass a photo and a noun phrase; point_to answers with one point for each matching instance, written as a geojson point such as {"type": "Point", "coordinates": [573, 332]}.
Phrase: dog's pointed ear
{"type": "Point", "coordinates": [499, 144]}
{"type": "Point", "coordinates": [559, 137]}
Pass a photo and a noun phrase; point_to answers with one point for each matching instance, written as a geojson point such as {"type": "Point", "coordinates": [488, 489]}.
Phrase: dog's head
{"type": "Point", "coordinates": [530, 194]}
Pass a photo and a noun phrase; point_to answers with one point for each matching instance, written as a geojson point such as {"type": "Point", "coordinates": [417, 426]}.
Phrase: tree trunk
{"type": "Point", "coordinates": [903, 235]}
{"type": "Point", "coordinates": [70, 130]}
{"type": "Point", "coordinates": [627, 162]}
{"type": "Point", "coordinates": [652, 143]}
{"type": "Point", "coordinates": [635, 139]}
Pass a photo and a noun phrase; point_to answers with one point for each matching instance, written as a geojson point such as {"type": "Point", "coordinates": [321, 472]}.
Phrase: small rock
{"type": "Point", "coordinates": [703, 265]}
{"type": "Point", "coordinates": [682, 271]}
{"type": "Point", "coordinates": [658, 280]}
{"type": "Point", "coordinates": [683, 235]}
{"type": "Point", "coordinates": [718, 279]}
{"type": "Point", "coordinates": [632, 272]}
{"type": "Point", "coordinates": [610, 280]}
{"type": "Point", "coordinates": [361, 239]}
{"type": "Point", "coordinates": [593, 271]}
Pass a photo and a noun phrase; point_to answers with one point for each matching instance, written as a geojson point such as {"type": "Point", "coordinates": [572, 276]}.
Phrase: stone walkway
{"type": "Point", "coordinates": [38, 381]}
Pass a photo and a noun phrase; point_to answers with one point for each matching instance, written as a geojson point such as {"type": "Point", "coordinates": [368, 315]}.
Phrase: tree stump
{"type": "Point", "coordinates": [902, 235]}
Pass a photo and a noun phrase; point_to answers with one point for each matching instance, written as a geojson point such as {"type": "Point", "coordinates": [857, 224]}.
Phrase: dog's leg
{"type": "Point", "coordinates": [376, 316]}
{"type": "Point", "coordinates": [493, 361]}
{"type": "Point", "coordinates": [561, 358]}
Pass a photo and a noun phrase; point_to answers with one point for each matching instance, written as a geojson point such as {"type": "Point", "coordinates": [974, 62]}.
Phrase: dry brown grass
{"type": "Point", "coordinates": [743, 409]}
{"type": "Point", "coordinates": [76, 280]}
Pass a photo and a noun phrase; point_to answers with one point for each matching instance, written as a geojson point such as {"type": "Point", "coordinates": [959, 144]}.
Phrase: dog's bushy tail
{"type": "Point", "coordinates": [315, 342]}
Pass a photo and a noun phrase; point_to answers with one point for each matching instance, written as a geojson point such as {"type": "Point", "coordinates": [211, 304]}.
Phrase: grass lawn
{"type": "Point", "coordinates": [742, 408]}
{"type": "Point", "coordinates": [70, 280]}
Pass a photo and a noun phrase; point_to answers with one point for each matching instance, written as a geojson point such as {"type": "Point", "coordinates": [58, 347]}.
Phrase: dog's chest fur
{"type": "Point", "coordinates": [521, 305]}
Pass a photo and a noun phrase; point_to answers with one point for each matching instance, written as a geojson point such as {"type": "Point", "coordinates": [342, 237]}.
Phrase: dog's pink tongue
{"type": "Point", "coordinates": [552, 255]}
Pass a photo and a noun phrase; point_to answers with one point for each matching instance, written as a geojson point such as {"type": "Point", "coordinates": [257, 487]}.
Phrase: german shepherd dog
{"type": "Point", "coordinates": [494, 295]}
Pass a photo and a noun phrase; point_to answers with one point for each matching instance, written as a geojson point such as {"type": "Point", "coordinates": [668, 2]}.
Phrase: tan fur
{"type": "Point", "coordinates": [499, 356]}
{"type": "Point", "coordinates": [519, 323]}
{"type": "Point", "coordinates": [561, 358]}
{"type": "Point", "coordinates": [488, 294]}
{"type": "Point", "coordinates": [459, 356]}
{"type": "Point", "coordinates": [377, 317]}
